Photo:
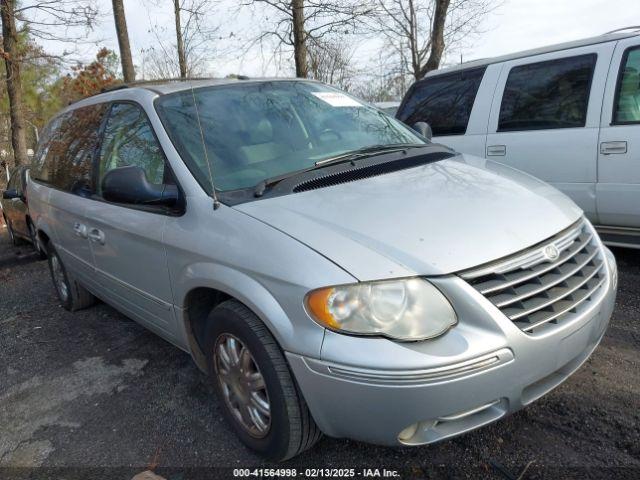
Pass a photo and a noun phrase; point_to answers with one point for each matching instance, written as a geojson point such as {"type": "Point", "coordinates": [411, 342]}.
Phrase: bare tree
{"type": "Point", "coordinates": [299, 37]}
{"type": "Point", "coordinates": [41, 19]}
{"type": "Point", "coordinates": [330, 61]}
{"type": "Point", "coordinates": [14, 89]}
{"type": "Point", "coordinates": [182, 60]}
{"type": "Point", "coordinates": [380, 87]}
{"type": "Point", "coordinates": [437, 36]}
{"type": "Point", "coordinates": [128, 71]}
{"type": "Point", "coordinates": [298, 23]}
{"type": "Point", "coordinates": [417, 33]}
{"type": "Point", "coordinates": [196, 43]}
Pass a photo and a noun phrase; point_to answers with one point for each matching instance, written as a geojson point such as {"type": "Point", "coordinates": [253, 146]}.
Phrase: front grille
{"type": "Point", "coordinates": [537, 291]}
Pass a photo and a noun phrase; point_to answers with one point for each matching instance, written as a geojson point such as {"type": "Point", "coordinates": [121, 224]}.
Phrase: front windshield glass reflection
{"type": "Point", "coordinates": [255, 131]}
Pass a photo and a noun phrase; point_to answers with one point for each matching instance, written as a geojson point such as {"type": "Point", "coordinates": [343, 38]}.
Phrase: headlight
{"type": "Point", "coordinates": [408, 309]}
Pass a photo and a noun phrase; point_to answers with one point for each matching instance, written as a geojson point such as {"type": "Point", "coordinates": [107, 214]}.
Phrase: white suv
{"type": "Point", "coordinates": [568, 114]}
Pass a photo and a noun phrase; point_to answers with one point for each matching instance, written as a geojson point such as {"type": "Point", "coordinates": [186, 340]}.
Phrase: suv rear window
{"type": "Point", "coordinates": [443, 101]}
{"type": "Point", "coordinates": [545, 95]}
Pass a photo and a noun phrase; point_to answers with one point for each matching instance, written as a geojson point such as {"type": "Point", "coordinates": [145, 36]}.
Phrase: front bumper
{"type": "Point", "coordinates": [374, 389]}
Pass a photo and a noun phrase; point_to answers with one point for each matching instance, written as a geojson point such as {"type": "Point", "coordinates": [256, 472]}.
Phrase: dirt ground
{"type": "Point", "coordinates": [94, 395]}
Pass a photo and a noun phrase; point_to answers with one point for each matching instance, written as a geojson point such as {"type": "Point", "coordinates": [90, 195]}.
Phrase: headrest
{"type": "Point", "coordinates": [262, 132]}
{"type": "Point", "coordinates": [630, 81]}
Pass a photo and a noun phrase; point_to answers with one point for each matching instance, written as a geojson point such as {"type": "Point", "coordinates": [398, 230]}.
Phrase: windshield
{"type": "Point", "coordinates": [256, 131]}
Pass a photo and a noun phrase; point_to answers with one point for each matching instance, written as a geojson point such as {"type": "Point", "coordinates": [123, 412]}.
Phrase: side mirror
{"type": "Point", "coordinates": [130, 185]}
{"type": "Point", "coordinates": [423, 129]}
{"type": "Point", "coordinates": [10, 194]}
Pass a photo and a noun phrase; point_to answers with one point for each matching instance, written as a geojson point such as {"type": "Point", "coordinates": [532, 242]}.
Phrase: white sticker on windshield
{"type": "Point", "coordinates": [337, 99]}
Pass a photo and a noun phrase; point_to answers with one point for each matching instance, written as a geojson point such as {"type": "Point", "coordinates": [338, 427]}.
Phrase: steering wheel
{"type": "Point", "coordinates": [328, 132]}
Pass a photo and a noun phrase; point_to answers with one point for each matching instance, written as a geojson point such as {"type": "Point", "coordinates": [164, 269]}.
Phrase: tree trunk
{"type": "Point", "coordinates": [414, 48]}
{"type": "Point", "coordinates": [437, 38]}
{"type": "Point", "coordinates": [14, 86]}
{"type": "Point", "coordinates": [299, 39]}
{"type": "Point", "coordinates": [182, 61]}
{"type": "Point", "coordinates": [128, 72]}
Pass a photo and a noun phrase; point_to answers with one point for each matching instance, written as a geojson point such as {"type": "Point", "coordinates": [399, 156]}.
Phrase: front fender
{"type": "Point", "coordinates": [265, 269]}
{"type": "Point", "coordinates": [287, 322]}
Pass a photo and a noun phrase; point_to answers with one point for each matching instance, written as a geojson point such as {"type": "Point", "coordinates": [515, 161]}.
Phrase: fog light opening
{"type": "Point", "coordinates": [415, 430]}
{"type": "Point", "coordinates": [406, 434]}
{"type": "Point", "coordinates": [445, 426]}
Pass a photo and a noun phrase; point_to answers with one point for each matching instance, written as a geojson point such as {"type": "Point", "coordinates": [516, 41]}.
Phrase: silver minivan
{"type": "Point", "coordinates": [330, 269]}
{"type": "Point", "coordinates": [568, 114]}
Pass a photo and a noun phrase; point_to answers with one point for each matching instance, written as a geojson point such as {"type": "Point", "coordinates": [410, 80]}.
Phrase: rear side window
{"type": "Point", "coordinates": [627, 106]}
{"type": "Point", "coordinates": [545, 95]}
{"type": "Point", "coordinates": [443, 101]}
{"type": "Point", "coordinates": [129, 140]}
{"type": "Point", "coordinates": [64, 158]}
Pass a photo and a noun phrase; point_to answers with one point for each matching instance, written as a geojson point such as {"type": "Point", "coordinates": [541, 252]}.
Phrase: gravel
{"type": "Point", "coordinates": [92, 394]}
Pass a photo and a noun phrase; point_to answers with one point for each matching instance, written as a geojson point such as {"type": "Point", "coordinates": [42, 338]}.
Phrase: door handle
{"type": "Point", "coordinates": [608, 148]}
{"type": "Point", "coordinates": [80, 230]}
{"type": "Point", "coordinates": [96, 236]}
{"type": "Point", "coordinates": [496, 150]}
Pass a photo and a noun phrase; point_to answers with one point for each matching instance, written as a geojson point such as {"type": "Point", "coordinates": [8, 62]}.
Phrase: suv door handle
{"type": "Point", "coordinates": [496, 150]}
{"type": "Point", "coordinates": [608, 148]}
{"type": "Point", "coordinates": [96, 236]}
{"type": "Point", "coordinates": [80, 230]}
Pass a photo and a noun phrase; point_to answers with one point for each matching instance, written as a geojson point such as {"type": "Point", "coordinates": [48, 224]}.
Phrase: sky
{"type": "Point", "coordinates": [513, 26]}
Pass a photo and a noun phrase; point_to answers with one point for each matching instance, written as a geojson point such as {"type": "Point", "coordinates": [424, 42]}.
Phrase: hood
{"type": "Point", "coordinates": [434, 219]}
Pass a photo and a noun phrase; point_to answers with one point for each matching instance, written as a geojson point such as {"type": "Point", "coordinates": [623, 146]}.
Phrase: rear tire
{"type": "Point", "coordinates": [72, 295]}
{"type": "Point", "coordinates": [291, 428]}
{"type": "Point", "coordinates": [35, 241]}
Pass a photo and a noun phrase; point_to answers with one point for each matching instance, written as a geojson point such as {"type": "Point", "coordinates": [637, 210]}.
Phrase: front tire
{"type": "Point", "coordinates": [72, 295]}
{"type": "Point", "coordinates": [257, 392]}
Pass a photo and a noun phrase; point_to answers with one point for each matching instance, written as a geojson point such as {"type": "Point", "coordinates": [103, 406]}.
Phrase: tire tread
{"type": "Point", "coordinates": [79, 297]}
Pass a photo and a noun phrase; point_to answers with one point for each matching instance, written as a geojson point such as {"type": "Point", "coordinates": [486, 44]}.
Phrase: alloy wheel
{"type": "Point", "coordinates": [243, 386]}
{"type": "Point", "coordinates": [58, 278]}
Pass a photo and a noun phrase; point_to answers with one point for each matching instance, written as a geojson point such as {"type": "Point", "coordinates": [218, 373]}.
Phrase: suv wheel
{"type": "Point", "coordinates": [72, 295]}
{"type": "Point", "coordinates": [259, 397]}
{"type": "Point", "coordinates": [35, 241]}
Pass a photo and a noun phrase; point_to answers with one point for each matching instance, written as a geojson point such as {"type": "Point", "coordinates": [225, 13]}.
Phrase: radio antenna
{"type": "Point", "coordinates": [216, 202]}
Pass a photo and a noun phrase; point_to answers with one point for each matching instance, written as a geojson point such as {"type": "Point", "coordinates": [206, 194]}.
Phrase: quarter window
{"type": "Point", "coordinates": [545, 95]}
{"type": "Point", "coordinates": [627, 105]}
{"type": "Point", "coordinates": [64, 156]}
{"type": "Point", "coordinates": [443, 101]}
{"type": "Point", "coordinates": [129, 140]}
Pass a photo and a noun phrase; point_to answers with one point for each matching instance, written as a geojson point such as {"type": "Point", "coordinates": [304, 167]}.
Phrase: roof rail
{"type": "Point", "coordinates": [142, 83]}
{"type": "Point", "coordinates": [633, 28]}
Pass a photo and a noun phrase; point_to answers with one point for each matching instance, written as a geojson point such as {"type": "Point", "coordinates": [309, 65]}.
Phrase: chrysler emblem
{"type": "Point", "coordinates": [551, 253]}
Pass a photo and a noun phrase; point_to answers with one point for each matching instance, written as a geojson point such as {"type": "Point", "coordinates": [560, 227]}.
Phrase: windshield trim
{"type": "Point", "coordinates": [430, 153]}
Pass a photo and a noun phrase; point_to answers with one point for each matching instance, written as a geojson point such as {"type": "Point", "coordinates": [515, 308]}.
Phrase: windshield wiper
{"type": "Point", "coordinates": [346, 157]}
{"type": "Point", "coordinates": [368, 152]}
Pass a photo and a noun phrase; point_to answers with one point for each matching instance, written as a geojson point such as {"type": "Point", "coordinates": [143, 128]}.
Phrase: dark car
{"type": "Point", "coordinates": [15, 210]}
